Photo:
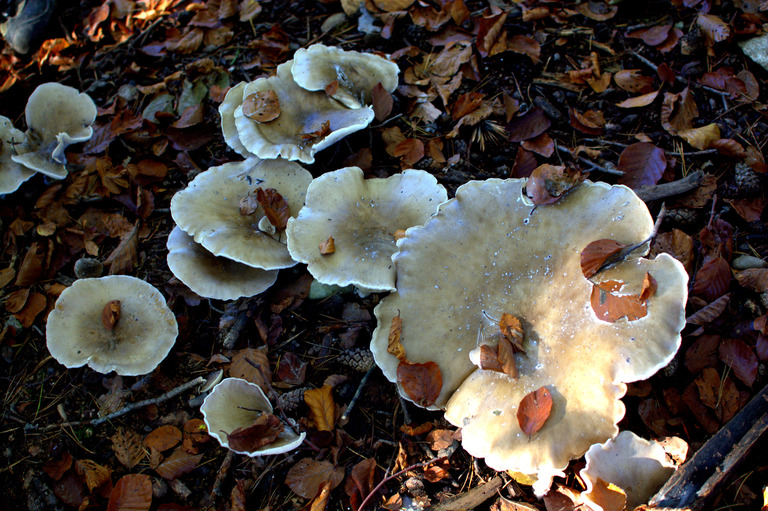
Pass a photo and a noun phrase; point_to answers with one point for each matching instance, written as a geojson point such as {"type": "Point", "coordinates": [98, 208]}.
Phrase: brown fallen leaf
{"type": "Point", "coordinates": [178, 464]}
{"type": "Point", "coordinates": [262, 106]}
{"type": "Point", "coordinates": [382, 102]}
{"type": "Point", "coordinates": [596, 254]}
{"type": "Point", "coordinates": [422, 383]}
{"type": "Point", "coordinates": [110, 314]}
{"type": "Point", "coordinates": [323, 407]}
{"type": "Point", "coordinates": [512, 330]}
{"type": "Point", "coordinates": [534, 410]}
{"type": "Point", "coordinates": [264, 430]}
{"type": "Point", "coordinates": [394, 346]}
{"type": "Point", "coordinates": [132, 492]}
{"type": "Point", "coordinates": [275, 207]}
{"type": "Point", "coordinates": [639, 101]}
{"type": "Point", "coordinates": [93, 474]}
{"type": "Point", "coordinates": [327, 247]}
{"type": "Point", "coordinates": [549, 183]}
{"type": "Point", "coordinates": [610, 306]}
{"type": "Point", "coordinates": [633, 80]}
{"type": "Point", "coordinates": [163, 438]}
{"type": "Point", "coordinates": [308, 139]}
{"type": "Point", "coordinates": [307, 476]}
{"type": "Point", "coordinates": [642, 163]}
{"type": "Point", "coordinates": [701, 138]}
{"type": "Point", "coordinates": [529, 125]}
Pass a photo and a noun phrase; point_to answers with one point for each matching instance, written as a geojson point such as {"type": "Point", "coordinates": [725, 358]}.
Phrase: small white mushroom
{"type": "Point", "coordinates": [144, 328]}
{"type": "Point", "coordinates": [12, 174]}
{"type": "Point", "coordinates": [308, 121]}
{"type": "Point", "coordinates": [209, 210]}
{"type": "Point", "coordinates": [57, 116]}
{"type": "Point", "coordinates": [363, 216]}
{"type": "Point", "coordinates": [210, 276]}
{"type": "Point", "coordinates": [235, 403]}
{"type": "Point", "coordinates": [355, 73]}
{"type": "Point", "coordinates": [635, 465]}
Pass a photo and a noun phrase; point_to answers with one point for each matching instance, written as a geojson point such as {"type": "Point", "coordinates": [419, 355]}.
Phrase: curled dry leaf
{"type": "Point", "coordinates": [323, 407]}
{"type": "Point", "coordinates": [534, 411]}
{"type": "Point", "coordinates": [549, 183]}
{"type": "Point", "coordinates": [712, 279]}
{"type": "Point", "coordinates": [264, 430]}
{"type": "Point", "coordinates": [332, 88]}
{"type": "Point", "coordinates": [755, 279]}
{"type": "Point", "coordinates": [327, 247]}
{"type": "Point", "coordinates": [652, 36]}
{"type": "Point", "coordinates": [92, 473]}
{"type": "Point", "coordinates": [261, 106]}
{"type": "Point", "coordinates": [598, 10]}
{"type": "Point", "coordinates": [639, 101]}
{"type": "Point", "coordinates": [394, 346]}
{"type": "Point", "coordinates": [110, 314]}
{"type": "Point", "coordinates": [633, 80]}
{"type": "Point", "coordinates": [678, 111]}
{"type": "Point", "coordinates": [597, 254]}
{"type": "Point", "coordinates": [421, 382]}
{"type": "Point", "coordinates": [590, 122]}
{"type": "Point", "coordinates": [701, 138]}
{"type": "Point", "coordinates": [512, 330]}
{"type": "Point", "coordinates": [713, 28]}
{"type": "Point", "coordinates": [711, 312]}
{"type": "Point", "coordinates": [275, 207]}
{"type": "Point", "coordinates": [308, 139]}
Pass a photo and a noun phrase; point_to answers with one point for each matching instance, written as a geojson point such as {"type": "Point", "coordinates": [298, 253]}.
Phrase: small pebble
{"type": "Point", "coordinates": [745, 262]}
{"type": "Point", "coordinates": [87, 268]}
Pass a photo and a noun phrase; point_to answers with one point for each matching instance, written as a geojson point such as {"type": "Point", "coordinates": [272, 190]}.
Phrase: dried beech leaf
{"type": "Point", "coordinates": [275, 207]}
{"type": "Point", "coordinates": [178, 464]}
{"type": "Point", "coordinates": [755, 279]}
{"type": "Point", "coordinates": [711, 312]}
{"type": "Point", "coordinates": [307, 476]}
{"type": "Point", "coordinates": [543, 145]}
{"type": "Point", "coordinates": [639, 101]}
{"type": "Point", "coordinates": [110, 314]}
{"type": "Point", "coordinates": [512, 330]}
{"type": "Point", "coordinates": [652, 36]}
{"type": "Point", "coordinates": [649, 287]}
{"type": "Point", "coordinates": [702, 353]}
{"type": "Point", "coordinates": [608, 496]}
{"type": "Point", "coordinates": [264, 430]}
{"type": "Point", "coordinates": [713, 28]}
{"type": "Point", "coordinates": [712, 279]}
{"type": "Point", "coordinates": [92, 473]}
{"type": "Point", "coordinates": [292, 370]}
{"type": "Point", "coordinates": [327, 247]}
{"type": "Point", "coordinates": [529, 125]}
{"type": "Point", "coordinates": [332, 88]}
{"type": "Point", "coordinates": [128, 447]}
{"type": "Point", "coordinates": [308, 139]}
{"type": "Point", "coordinates": [262, 106]}
{"type": "Point", "coordinates": [701, 138]}
{"type": "Point", "coordinates": [611, 307]}
{"type": "Point", "coordinates": [163, 438]}
{"type": "Point", "coordinates": [506, 355]}
{"type": "Point", "coordinates": [741, 358]}
{"type": "Point", "coordinates": [534, 411]}
{"type": "Point", "coordinates": [642, 163]}
{"type": "Point", "coordinates": [382, 102]}
{"type": "Point", "coordinates": [251, 365]}
{"type": "Point", "coordinates": [489, 358]}
{"type": "Point", "coordinates": [633, 80]}
{"type": "Point", "coordinates": [409, 151]}
{"type": "Point", "coordinates": [598, 10]}
{"type": "Point", "coordinates": [322, 406]}
{"type": "Point", "coordinates": [133, 492]}
{"type": "Point", "coordinates": [55, 468]}
{"type": "Point", "coordinates": [548, 183]}
{"type": "Point", "coordinates": [421, 382]}
{"type": "Point", "coordinates": [394, 346]}
{"type": "Point", "coordinates": [595, 255]}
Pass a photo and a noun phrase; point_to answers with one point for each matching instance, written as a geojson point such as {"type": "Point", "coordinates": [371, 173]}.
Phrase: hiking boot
{"type": "Point", "coordinates": [28, 27]}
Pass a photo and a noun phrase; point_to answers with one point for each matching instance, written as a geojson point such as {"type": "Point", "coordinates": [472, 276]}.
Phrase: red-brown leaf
{"type": "Point", "coordinates": [534, 411]}
{"type": "Point", "coordinates": [262, 106]}
{"type": "Point", "coordinates": [292, 370]}
{"type": "Point", "coordinates": [596, 254]}
{"type": "Point", "coordinates": [132, 492]}
{"type": "Point", "coordinates": [741, 358]}
{"type": "Point", "coordinates": [409, 151]}
{"type": "Point", "coordinates": [163, 438]}
{"type": "Point", "coordinates": [712, 279]}
{"type": "Point", "coordinates": [382, 102]}
{"type": "Point", "coordinates": [612, 307]}
{"type": "Point", "coordinates": [422, 383]}
{"type": "Point", "coordinates": [306, 476]}
{"type": "Point", "coordinates": [548, 183]}
{"type": "Point", "coordinates": [642, 163]}
{"type": "Point", "coordinates": [323, 407]}
{"type": "Point", "coordinates": [529, 125]}
{"type": "Point", "coordinates": [178, 464]}
{"type": "Point", "coordinates": [702, 353]}
{"type": "Point", "coordinates": [110, 314]}
{"type": "Point", "coordinates": [633, 80]}
{"type": "Point", "coordinates": [275, 207]}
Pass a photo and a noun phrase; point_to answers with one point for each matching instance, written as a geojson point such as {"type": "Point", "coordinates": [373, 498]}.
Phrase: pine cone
{"type": "Point", "coordinates": [747, 180]}
{"type": "Point", "coordinates": [680, 217]}
{"type": "Point", "coordinates": [291, 400]}
{"type": "Point", "coordinates": [360, 359]}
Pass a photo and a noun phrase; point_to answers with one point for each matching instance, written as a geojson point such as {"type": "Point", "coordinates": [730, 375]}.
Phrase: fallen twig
{"type": "Point", "coordinates": [472, 498]}
{"type": "Point", "coordinates": [221, 474]}
{"type": "Point", "coordinates": [662, 191]}
{"type": "Point", "coordinates": [125, 410]}
{"type": "Point", "coordinates": [358, 393]}
{"type": "Point", "coordinates": [680, 78]}
{"type": "Point", "coordinates": [594, 166]}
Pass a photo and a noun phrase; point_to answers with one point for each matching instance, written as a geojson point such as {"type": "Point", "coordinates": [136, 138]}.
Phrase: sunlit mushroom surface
{"type": "Point", "coordinates": [363, 216]}
{"type": "Point", "coordinates": [140, 340]}
{"type": "Point", "coordinates": [486, 253]}
{"type": "Point", "coordinates": [236, 403]}
{"type": "Point", "coordinates": [297, 133]}
{"type": "Point", "coordinates": [12, 174]}
{"type": "Point", "coordinates": [209, 210]}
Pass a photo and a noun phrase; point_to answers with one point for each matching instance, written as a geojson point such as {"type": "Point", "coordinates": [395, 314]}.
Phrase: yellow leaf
{"type": "Point", "coordinates": [638, 101]}
{"type": "Point", "coordinates": [701, 138]}
{"type": "Point", "coordinates": [322, 406]}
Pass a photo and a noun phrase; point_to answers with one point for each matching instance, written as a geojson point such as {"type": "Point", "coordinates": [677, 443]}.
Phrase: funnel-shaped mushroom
{"type": "Point", "coordinates": [235, 404]}
{"type": "Point", "coordinates": [488, 253]}
{"type": "Point", "coordinates": [363, 216]}
{"type": "Point", "coordinates": [210, 276]}
{"type": "Point", "coordinates": [57, 116]}
{"type": "Point", "coordinates": [307, 121]}
{"type": "Point", "coordinates": [12, 174]}
{"type": "Point", "coordinates": [131, 338]}
{"type": "Point", "coordinates": [318, 66]}
{"type": "Point", "coordinates": [209, 209]}
{"type": "Point", "coordinates": [635, 465]}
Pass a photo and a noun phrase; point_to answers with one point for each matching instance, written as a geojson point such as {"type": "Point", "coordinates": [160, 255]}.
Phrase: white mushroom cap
{"type": "Point", "coordinates": [210, 276]}
{"type": "Point", "coordinates": [484, 254]}
{"type": "Point", "coordinates": [140, 340]}
{"type": "Point", "coordinates": [232, 100]}
{"type": "Point", "coordinates": [356, 73]}
{"type": "Point", "coordinates": [301, 113]}
{"type": "Point", "coordinates": [209, 209]}
{"type": "Point", "coordinates": [362, 216]}
{"type": "Point", "coordinates": [635, 465]}
{"type": "Point", "coordinates": [57, 116]}
{"type": "Point", "coordinates": [236, 403]}
{"type": "Point", "coordinates": [12, 174]}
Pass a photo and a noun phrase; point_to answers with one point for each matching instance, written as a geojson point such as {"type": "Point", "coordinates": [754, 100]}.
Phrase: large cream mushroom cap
{"type": "Point", "coordinates": [12, 174]}
{"type": "Point", "coordinates": [301, 113]}
{"type": "Point", "coordinates": [209, 210]}
{"type": "Point", "coordinates": [232, 100]}
{"type": "Point", "coordinates": [210, 276]}
{"type": "Point", "coordinates": [236, 403]}
{"type": "Point", "coordinates": [140, 340]}
{"type": "Point", "coordinates": [356, 73]}
{"type": "Point", "coordinates": [362, 216]}
{"type": "Point", "coordinates": [57, 116]}
{"type": "Point", "coordinates": [485, 254]}
{"type": "Point", "coordinates": [635, 465]}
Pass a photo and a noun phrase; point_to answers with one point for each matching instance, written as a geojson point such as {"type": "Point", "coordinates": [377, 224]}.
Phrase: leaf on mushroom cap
{"type": "Point", "coordinates": [635, 465]}
{"type": "Point", "coordinates": [12, 174]}
{"type": "Point", "coordinates": [362, 215]}
{"type": "Point", "coordinates": [57, 116]}
{"type": "Point", "coordinates": [232, 100]}
{"type": "Point", "coordinates": [301, 112]}
{"type": "Point", "coordinates": [356, 73]}
{"type": "Point", "coordinates": [139, 341]}
{"type": "Point", "coordinates": [235, 403]}
{"type": "Point", "coordinates": [210, 276]}
{"type": "Point", "coordinates": [483, 251]}
{"type": "Point", "coordinates": [209, 209]}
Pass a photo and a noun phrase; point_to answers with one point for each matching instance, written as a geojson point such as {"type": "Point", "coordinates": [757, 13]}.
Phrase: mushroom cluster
{"type": "Point", "coordinates": [489, 252]}
{"type": "Point", "coordinates": [231, 221]}
{"type": "Point", "coordinates": [56, 116]}
{"type": "Point", "coordinates": [313, 101]}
